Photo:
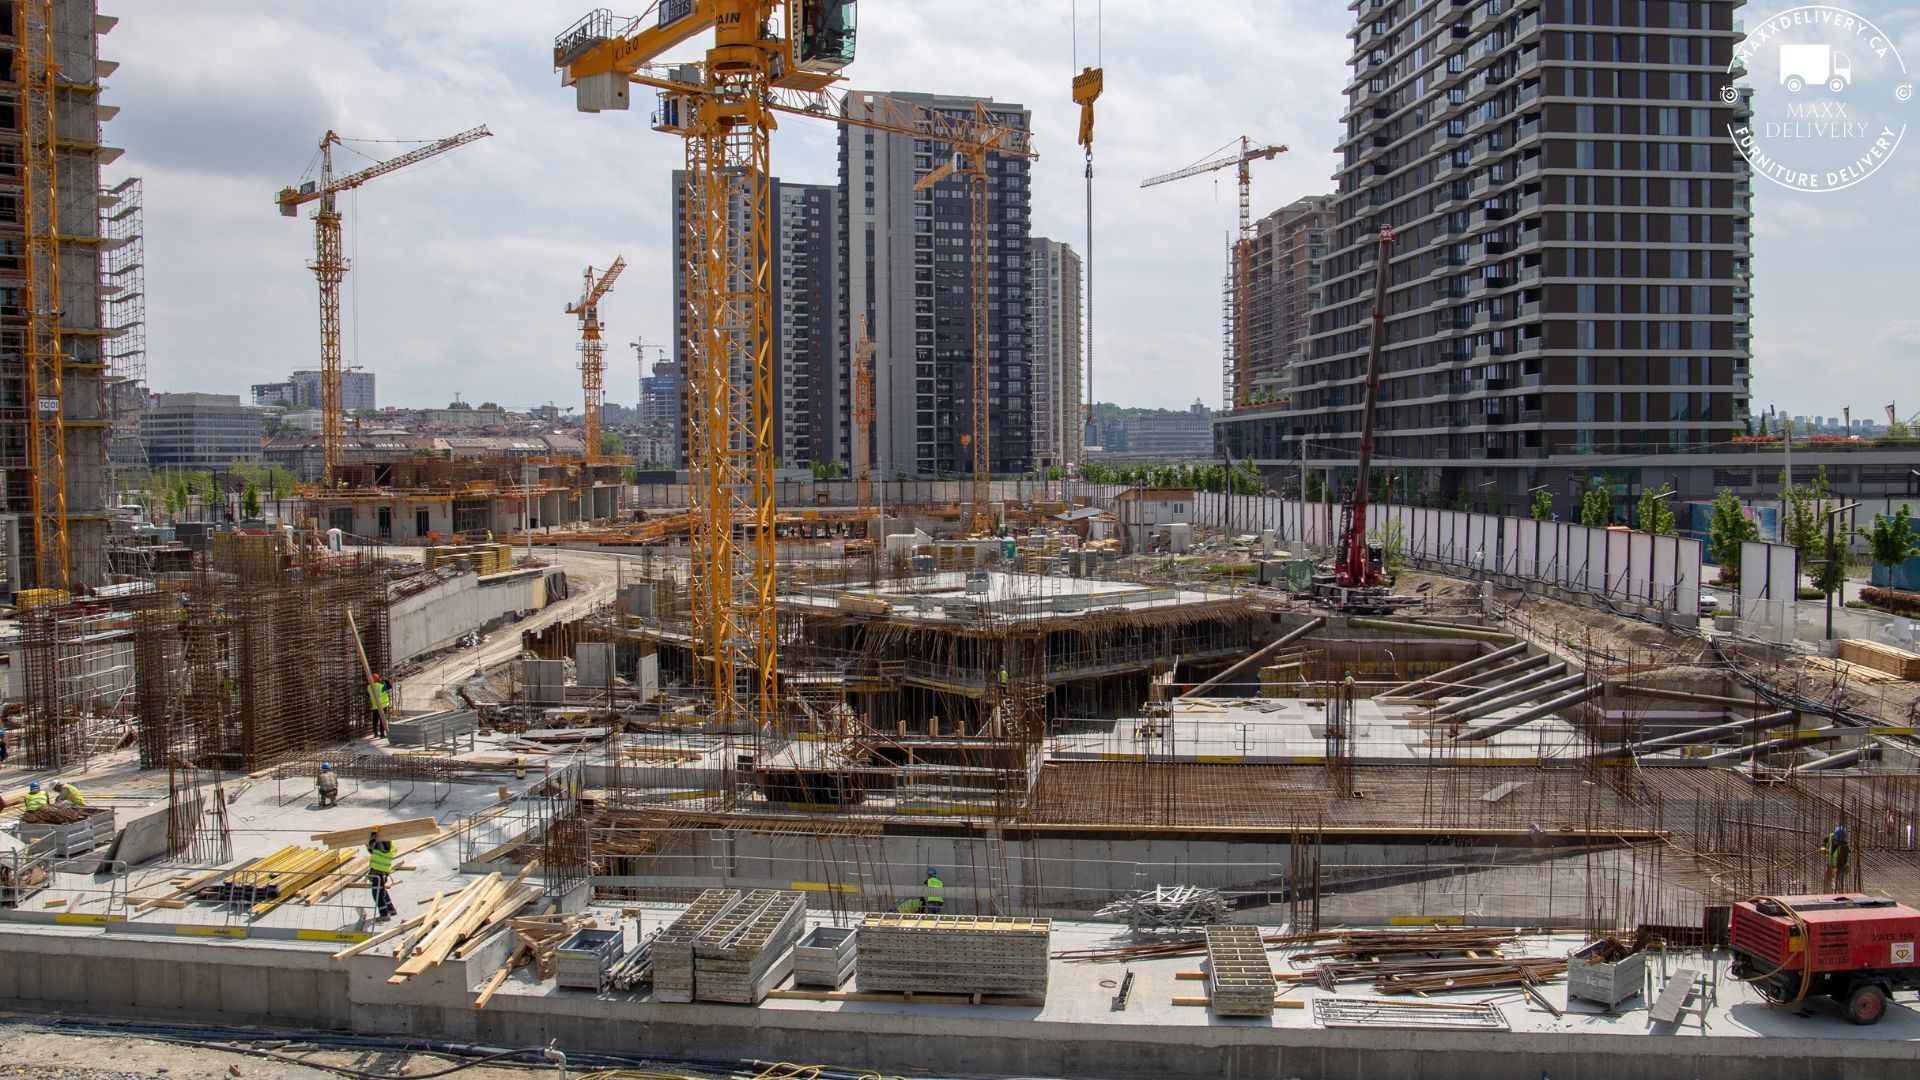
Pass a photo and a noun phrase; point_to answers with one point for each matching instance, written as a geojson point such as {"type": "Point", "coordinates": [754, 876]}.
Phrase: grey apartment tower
{"type": "Point", "coordinates": [1569, 277]}
{"type": "Point", "coordinates": [906, 265]}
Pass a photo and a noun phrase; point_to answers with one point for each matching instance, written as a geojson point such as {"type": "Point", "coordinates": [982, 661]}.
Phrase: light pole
{"type": "Point", "coordinates": [1826, 569]}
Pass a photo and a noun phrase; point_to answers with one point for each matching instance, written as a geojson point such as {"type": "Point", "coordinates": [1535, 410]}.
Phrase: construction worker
{"type": "Point", "coordinates": [66, 793]}
{"type": "Point", "coordinates": [935, 899]}
{"type": "Point", "coordinates": [380, 698]}
{"type": "Point", "coordinates": [911, 906]}
{"type": "Point", "coordinates": [379, 869]}
{"type": "Point", "coordinates": [1835, 854]}
{"type": "Point", "coordinates": [36, 799]}
{"type": "Point", "coordinates": [519, 768]}
{"type": "Point", "coordinates": [328, 785]}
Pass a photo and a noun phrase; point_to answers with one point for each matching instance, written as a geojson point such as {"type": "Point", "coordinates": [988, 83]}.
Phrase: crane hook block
{"type": "Point", "coordinates": [1086, 89]}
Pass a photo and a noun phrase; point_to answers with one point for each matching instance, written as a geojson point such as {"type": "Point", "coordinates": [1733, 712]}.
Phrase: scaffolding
{"type": "Point", "coordinates": [124, 292]}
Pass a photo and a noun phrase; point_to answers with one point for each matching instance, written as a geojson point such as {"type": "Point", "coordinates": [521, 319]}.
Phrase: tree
{"type": "Point", "coordinates": [282, 403]}
{"type": "Point", "coordinates": [1315, 487]}
{"type": "Point", "coordinates": [250, 500]}
{"type": "Point", "coordinates": [1596, 506]}
{"type": "Point", "coordinates": [456, 403]}
{"type": "Point", "coordinates": [493, 405]}
{"type": "Point", "coordinates": [1800, 523]}
{"type": "Point", "coordinates": [1392, 538]}
{"type": "Point", "coordinates": [609, 443]}
{"type": "Point", "coordinates": [1727, 529]}
{"type": "Point", "coordinates": [1892, 540]}
{"type": "Point", "coordinates": [1543, 505]}
{"type": "Point", "coordinates": [1763, 425]}
{"type": "Point", "coordinates": [1899, 429]}
{"type": "Point", "coordinates": [1654, 515]}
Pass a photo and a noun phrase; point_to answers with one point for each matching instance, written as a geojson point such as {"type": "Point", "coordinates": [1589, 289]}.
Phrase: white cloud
{"type": "Point", "coordinates": [462, 266]}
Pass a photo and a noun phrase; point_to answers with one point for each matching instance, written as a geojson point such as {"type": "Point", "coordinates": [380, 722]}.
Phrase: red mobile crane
{"type": "Point", "coordinates": [1357, 580]}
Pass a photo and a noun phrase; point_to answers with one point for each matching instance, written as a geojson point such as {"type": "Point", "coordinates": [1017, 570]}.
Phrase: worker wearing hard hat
{"type": "Point", "coordinates": [1835, 852]}
{"type": "Point", "coordinates": [380, 696]}
{"type": "Point", "coordinates": [328, 785]}
{"type": "Point", "coordinates": [36, 799]}
{"type": "Point", "coordinates": [379, 869]}
{"type": "Point", "coordinates": [67, 793]}
{"type": "Point", "coordinates": [935, 898]}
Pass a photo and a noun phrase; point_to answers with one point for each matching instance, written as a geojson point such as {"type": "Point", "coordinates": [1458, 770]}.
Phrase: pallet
{"type": "Point", "coordinates": [911, 997]}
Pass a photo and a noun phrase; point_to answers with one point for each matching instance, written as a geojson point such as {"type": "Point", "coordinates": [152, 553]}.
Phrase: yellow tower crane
{"type": "Point", "coordinates": [1237, 373]}
{"type": "Point", "coordinates": [39, 75]}
{"type": "Point", "coordinates": [767, 57]}
{"type": "Point", "coordinates": [863, 421]}
{"type": "Point", "coordinates": [330, 266]}
{"type": "Point", "coordinates": [593, 363]}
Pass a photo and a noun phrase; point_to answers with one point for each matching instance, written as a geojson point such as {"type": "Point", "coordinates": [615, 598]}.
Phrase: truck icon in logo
{"type": "Point", "coordinates": [1804, 65]}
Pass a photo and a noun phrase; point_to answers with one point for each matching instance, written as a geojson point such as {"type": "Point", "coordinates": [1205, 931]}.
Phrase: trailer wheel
{"type": "Point", "coordinates": [1866, 1003]}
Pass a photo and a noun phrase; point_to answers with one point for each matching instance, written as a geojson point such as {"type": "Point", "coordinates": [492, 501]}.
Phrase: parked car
{"type": "Point", "coordinates": [1709, 603]}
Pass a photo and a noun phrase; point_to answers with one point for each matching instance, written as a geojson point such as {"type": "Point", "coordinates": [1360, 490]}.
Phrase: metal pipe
{"type": "Point", "coordinates": [1261, 653]}
{"type": "Point", "coordinates": [1844, 757]}
{"type": "Point", "coordinates": [1521, 697]}
{"type": "Point", "coordinates": [1798, 738]}
{"type": "Point", "coordinates": [1475, 664]}
{"type": "Point", "coordinates": [1508, 723]}
{"type": "Point", "coordinates": [1698, 735]}
{"type": "Point", "coordinates": [1681, 695]}
{"type": "Point", "coordinates": [1420, 629]}
{"type": "Point", "coordinates": [1501, 689]}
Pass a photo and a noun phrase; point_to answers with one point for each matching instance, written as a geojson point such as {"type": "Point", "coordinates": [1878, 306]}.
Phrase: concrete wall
{"type": "Point", "coordinates": [436, 617]}
{"type": "Point", "coordinates": [296, 987]}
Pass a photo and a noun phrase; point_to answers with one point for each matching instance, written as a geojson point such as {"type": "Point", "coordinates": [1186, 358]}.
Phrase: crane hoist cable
{"type": "Point", "coordinates": [1087, 85]}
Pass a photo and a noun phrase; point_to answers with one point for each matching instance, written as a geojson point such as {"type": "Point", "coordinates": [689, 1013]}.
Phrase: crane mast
{"type": "Point", "coordinates": [1355, 566]}
{"type": "Point", "coordinates": [593, 352]}
{"type": "Point", "coordinates": [767, 57]}
{"type": "Point", "coordinates": [863, 420]}
{"type": "Point", "coordinates": [330, 267]}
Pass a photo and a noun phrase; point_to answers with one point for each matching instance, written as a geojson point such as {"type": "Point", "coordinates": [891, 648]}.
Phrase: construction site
{"type": "Point", "coordinates": [514, 762]}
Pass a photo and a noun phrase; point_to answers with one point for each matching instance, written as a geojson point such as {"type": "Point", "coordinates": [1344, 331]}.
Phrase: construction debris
{"type": "Point", "coordinates": [1176, 907]}
{"type": "Point", "coordinates": [452, 921]}
{"type": "Point", "coordinates": [53, 815]}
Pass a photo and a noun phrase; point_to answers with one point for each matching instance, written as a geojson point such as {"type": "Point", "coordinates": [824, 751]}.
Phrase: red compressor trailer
{"type": "Point", "coordinates": [1854, 948]}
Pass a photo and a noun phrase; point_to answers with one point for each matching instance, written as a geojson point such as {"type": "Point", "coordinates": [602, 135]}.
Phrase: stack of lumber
{"type": "Point", "coordinates": [965, 954]}
{"type": "Point", "coordinates": [452, 921]}
{"type": "Point", "coordinates": [537, 936]}
{"type": "Point", "coordinates": [1239, 978]}
{"type": "Point", "coordinates": [1896, 662]}
{"type": "Point", "coordinates": [1424, 961]}
{"type": "Point", "coordinates": [264, 883]}
{"type": "Point", "coordinates": [389, 830]}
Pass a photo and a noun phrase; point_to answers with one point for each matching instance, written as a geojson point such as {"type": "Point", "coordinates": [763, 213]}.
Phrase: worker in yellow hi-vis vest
{"type": "Point", "coordinates": [934, 900]}
{"type": "Point", "coordinates": [380, 696]}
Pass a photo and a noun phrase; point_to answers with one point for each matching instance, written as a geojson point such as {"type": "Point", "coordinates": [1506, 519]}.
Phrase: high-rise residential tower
{"type": "Point", "coordinates": [1569, 277]}
{"type": "Point", "coordinates": [908, 270]}
{"type": "Point", "coordinates": [1054, 344]}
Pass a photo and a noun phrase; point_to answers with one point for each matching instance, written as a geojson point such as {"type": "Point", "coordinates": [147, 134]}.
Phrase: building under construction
{"type": "Point", "coordinates": [54, 421]}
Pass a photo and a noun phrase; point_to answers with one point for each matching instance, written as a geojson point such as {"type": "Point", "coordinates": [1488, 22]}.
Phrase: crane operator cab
{"type": "Point", "coordinates": [823, 35]}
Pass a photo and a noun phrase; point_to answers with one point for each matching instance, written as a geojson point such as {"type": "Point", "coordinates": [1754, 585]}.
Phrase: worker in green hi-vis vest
{"type": "Point", "coordinates": [935, 900]}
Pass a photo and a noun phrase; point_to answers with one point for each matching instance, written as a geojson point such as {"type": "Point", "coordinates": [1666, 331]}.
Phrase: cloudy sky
{"type": "Point", "coordinates": [461, 266]}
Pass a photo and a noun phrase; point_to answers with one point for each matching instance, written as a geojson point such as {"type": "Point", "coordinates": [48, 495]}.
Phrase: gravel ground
{"type": "Point", "coordinates": [51, 1055]}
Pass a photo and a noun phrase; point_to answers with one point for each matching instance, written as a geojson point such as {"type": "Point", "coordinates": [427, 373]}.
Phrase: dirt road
{"type": "Point", "coordinates": [591, 576]}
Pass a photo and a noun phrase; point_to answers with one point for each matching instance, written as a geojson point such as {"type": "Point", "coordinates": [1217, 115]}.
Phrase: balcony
{"type": "Point", "coordinates": [1528, 95]}
{"type": "Point", "coordinates": [1530, 203]}
{"type": "Point", "coordinates": [1528, 345]}
{"type": "Point", "coordinates": [1481, 119]}
{"type": "Point", "coordinates": [1452, 356]}
{"type": "Point", "coordinates": [1529, 61]}
{"type": "Point", "coordinates": [1530, 240]}
{"type": "Point", "coordinates": [1528, 28]}
{"type": "Point", "coordinates": [1493, 214]}
{"type": "Point", "coordinates": [1528, 167]}
{"type": "Point", "coordinates": [1449, 169]}
{"type": "Point", "coordinates": [1448, 293]}
{"type": "Point", "coordinates": [1528, 382]}
{"type": "Point", "coordinates": [1529, 311]}
{"type": "Point", "coordinates": [1453, 321]}
{"type": "Point", "coordinates": [1530, 130]}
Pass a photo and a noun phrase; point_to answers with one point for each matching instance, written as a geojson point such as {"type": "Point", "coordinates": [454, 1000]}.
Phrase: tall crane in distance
{"type": "Point", "coordinates": [863, 421]}
{"type": "Point", "coordinates": [593, 364]}
{"type": "Point", "coordinates": [330, 265]}
{"type": "Point", "coordinates": [1237, 374]}
{"type": "Point", "coordinates": [768, 57]}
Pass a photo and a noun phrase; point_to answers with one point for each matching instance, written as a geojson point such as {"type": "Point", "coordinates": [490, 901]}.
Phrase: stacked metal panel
{"type": "Point", "coordinates": [1239, 978]}
{"type": "Point", "coordinates": [748, 950]}
{"type": "Point", "coordinates": [673, 947]}
{"type": "Point", "coordinates": [966, 954]}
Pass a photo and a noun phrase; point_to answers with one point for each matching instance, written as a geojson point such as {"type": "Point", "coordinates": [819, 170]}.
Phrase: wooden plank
{"type": "Point", "coordinates": [383, 936]}
{"type": "Point", "coordinates": [1673, 996]}
{"type": "Point", "coordinates": [514, 959]}
{"type": "Point", "coordinates": [389, 830]}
